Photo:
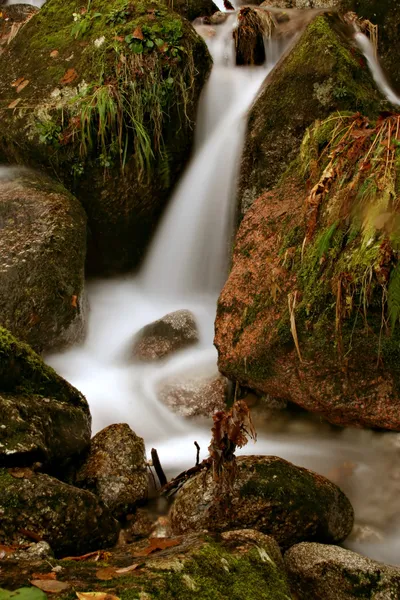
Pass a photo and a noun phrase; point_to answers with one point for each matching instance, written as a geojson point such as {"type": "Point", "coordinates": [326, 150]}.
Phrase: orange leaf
{"type": "Point", "coordinates": [21, 473]}
{"type": "Point", "coordinates": [54, 54]}
{"type": "Point", "coordinates": [69, 76]}
{"type": "Point", "coordinates": [50, 586]}
{"type": "Point", "coordinates": [22, 85]}
{"type": "Point", "coordinates": [157, 544]}
{"type": "Point", "coordinates": [44, 576]}
{"type": "Point", "coordinates": [138, 33]}
{"type": "Point", "coordinates": [74, 301]}
{"type": "Point", "coordinates": [95, 556]}
{"type": "Point", "coordinates": [14, 103]}
{"type": "Point", "coordinates": [106, 574]}
{"type": "Point", "coordinates": [17, 82]}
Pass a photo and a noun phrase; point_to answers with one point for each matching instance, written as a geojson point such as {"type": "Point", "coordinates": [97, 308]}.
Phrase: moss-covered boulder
{"type": "Point", "coordinates": [115, 469]}
{"type": "Point", "coordinates": [71, 520]}
{"type": "Point", "coordinates": [192, 9]}
{"type": "Point", "coordinates": [300, 90]}
{"type": "Point", "coordinates": [332, 573]}
{"type": "Point", "coordinates": [310, 312]}
{"type": "Point", "coordinates": [42, 248]}
{"type": "Point", "coordinates": [270, 495]}
{"type": "Point", "coordinates": [105, 99]}
{"type": "Point", "coordinates": [43, 418]}
{"type": "Point", "coordinates": [237, 565]}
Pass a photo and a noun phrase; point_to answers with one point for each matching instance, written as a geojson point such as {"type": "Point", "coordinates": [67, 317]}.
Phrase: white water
{"type": "Point", "coordinates": [185, 269]}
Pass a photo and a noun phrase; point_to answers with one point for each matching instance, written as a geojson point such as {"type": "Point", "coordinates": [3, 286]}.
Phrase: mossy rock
{"type": "Point", "coordinates": [109, 108]}
{"type": "Point", "coordinates": [71, 520]}
{"type": "Point", "coordinates": [43, 248]}
{"type": "Point", "coordinates": [270, 495]}
{"type": "Point", "coordinates": [237, 565]}
{"type": "Point", "coordinates": [192, 9]}
{"type": "Point", "coordinates": [331, 573]}
{"type": "Point", "coordinates": [300, 90]}
{"type": "Point", "coordinates": [43, 418]}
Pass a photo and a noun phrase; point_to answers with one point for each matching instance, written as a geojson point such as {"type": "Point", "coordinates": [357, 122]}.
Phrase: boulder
{"type": "Point", "coordinates": [12, 18]}
{"type": "Point", "coordinates": [43, 418]}
{"type": "Point", "coordinates": [42, 248]}
{"type": "Point", "coordinates": [270, 495]}
{"type": "Point", "coordinates": [34, 505]}
{"type": "Point", "coordinates": [235, 566]}
{"type": "Point", "coordinates": [253, 25]}
{"type": "Point", "coordinates": [173, 332]}
{"type": "Point", "coordinates": [115, 469]}
{"type": "Point", "coordinates": [105, 99]}
{"type": "Point", "coordinates": [298, 91]}
{"type": "Point", "coordinates": [193, 9]}
{"type": "Point", "coordinates": [332, 573]}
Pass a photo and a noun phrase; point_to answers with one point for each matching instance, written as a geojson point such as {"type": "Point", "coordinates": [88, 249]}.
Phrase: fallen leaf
{"type": "Point", "coordinates": [17, 82]}
{"type": "Point", "coordinates": [31, 535]}
{"type": "Point", "coordinates": [22, 85]}
{"type": "Point", "coordinates": [96, 596]}
{"type": "Point", "coordinates": [127, 569]}
{"type": "Point", "coordinates": [50, 587]}
{"type": "Point", "coordinates": [14, 103]}
{"type": "Point", "coordinates": [12, 549]}
{"type": "Point", "coordinates": [157, 544]}
{"type": "Point", "coordinates": [44, 576]}
{"type": "Point", "coordinates": [69, 76]}
{"type": "Point", "coordinates": [21, 472]}
{"type": "Point", "coordinates": [54, 54]}
{"type": "Point", "coordinates": [95, 556]}
{"type": "Point", "coordinates": [138, 34]}
{"type": "Point", "coordinates": [106, 574]}
{"type": "Point", "coordinates": [74, 301]}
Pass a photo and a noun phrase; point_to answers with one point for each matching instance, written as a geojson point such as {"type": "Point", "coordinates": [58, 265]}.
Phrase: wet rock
{"type": "Point", "coordinates": [43, 418]}
{"type": "Point", "coordinates": [121, 166]}
{"type": "Point", "coordinates": [42, 249]}
{"type": "Point", "coordinates": [194, 394]}
{"type": "Point", "coordinates": [12, 19]}
{"type": "Point", "coordinates": [115, 469]}
{"type": "Point", "coordinates": [253, 26]}
{"type": "Point", "coordinates": [175, 331]}
{"type": "Point", "coordinates": [71, 520]}
{"type": "Point", "coordinates": [270, 495]}
{"type": "Point", "coordinates": [332, 573]}
{"type": "Point", "coordinates": [192, 9]}
{"type": "Point", "coordinates": [239, 564]}
{"type": "Point", "coordinates": [299, 91]}
{"type": "Point", "coordinates": [218, 18]}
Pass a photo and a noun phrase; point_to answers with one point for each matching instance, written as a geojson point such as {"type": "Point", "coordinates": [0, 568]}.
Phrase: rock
{"type": "Point", "coordinates": [42, 248]}
{"type": "Point", "coordinates": [43, 418]}
{"type": "Point", "coordinates": [194, 394]}
{"type": "Point", "coordinates": [12, 20]}
{"type": "Point", "coordinates": [245, 565]}
{"type": "Point", "coordinates": [192, 9]}
{"type": "Point", "coordinates": [218, 18]}
{"type": "Point", "coordinates": [173, 332]}
{"type": "Point", "coordinates": [270, 495]}
{"type": "Point", "coordinates": [123, 164]}
{"type": "Point", "coordinates": [298, 91]}
{"type": "Point", "coordinates": [115, 469]}
{"type": "Point", "coordinates": [253, 26]}
{"type": "Point", "coordinates": [71, 520]}
{"type": "Point", "coordinates": [332, 573]}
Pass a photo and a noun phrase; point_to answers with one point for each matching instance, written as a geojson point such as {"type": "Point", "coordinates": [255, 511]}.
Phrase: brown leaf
{"type": "Point", "coordinates": [22, 85]}
{"type": "Point", "coordinates": [14, 103]}
{"type": "Point", "coordinates": [138, 34]}
{"type": "Point", "coordinates": [50, 586]}
{"type": "Point", "coordinates": [96, 596]}
{"type": "Point", "coordinates": [127, 569]}
{"type": "Point", "coordinates": [12, 549]}
{"type": "Point", "coordinates": [74, 301]}
{"type": "Point", "coordinates": [157, 544]}
{"type": "Point", "coordinates": [17, 82]}
{"type": "Point", "coordinates": [54, 54]}
{"type": "Point", "coordinates": [31, 535]}
{"type": "Point", "coordinates": [44, 576]}
{"type": "Point", "coordinates": [106, 574]}
{"type": "Point", "coordinates": [21, 472]}
{"type": "Point", "coordinates": [95, 556]}
{"type": "Point", "coordinates": [69, 76]}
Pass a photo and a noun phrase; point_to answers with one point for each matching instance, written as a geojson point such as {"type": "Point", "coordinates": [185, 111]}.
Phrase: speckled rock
{"type": "Point", "coordinates": [173, 332]}
{"type": "Point", "coordinates": [43, 418]}
{"type": "Point", "coordinates": [42, 250]}
{"type": "Point", "coordinates": [271, 495]}
{"type": "Point", "coordinates": [239, 565]}
{"type": "Point", "coordinates": [71, 520]}
{"type": "Point", "coordinates": [331, 573]}
{"type": "Point", "coordinates": [115, 469]}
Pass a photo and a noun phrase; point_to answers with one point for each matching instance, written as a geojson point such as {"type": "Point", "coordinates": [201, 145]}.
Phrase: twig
{"type": "Point", "coordinates": [158, 468]}
{"type": "Point", "coordinates": [197, 453]}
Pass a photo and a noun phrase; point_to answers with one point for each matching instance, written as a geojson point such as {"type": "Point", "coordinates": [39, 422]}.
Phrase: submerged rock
{"type": "Point", "coordinates": [115, 469]}
{"type": "Point", "coordinates": [253, 25]}
{"type": "Point", "coordinates": [71, 520]}
{"type": "Point", "coordinates": [42, 248]}
{"type": "Point", "coordinates": [240, 565]}
{"type": "Point", "coordinates": [175, 331]}
{"type": "Point", "coordinates": [105, 99]}
{"type": "Point", "coordinates": [332, 573]}
{"type": "Point", "coordinates": [43, 418]}
{"type": "Point", "coordinates": [270, 495]}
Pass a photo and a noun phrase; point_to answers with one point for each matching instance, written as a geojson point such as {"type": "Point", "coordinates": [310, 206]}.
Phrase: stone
{"type": "Point", "coordinates": [175, 331]}
{"type": "Point", "coordinates": [193, 9]}
{"type": "Point", "coordinates": [70, 520]}
{"type": "Point", "coordinates": [253, 25]}
{"type": "Point", "coordinates": [115, 469]}
{"type": "Point", "coordinates": [331, 573]}
{"type": "Point", "coordinates": [270, 495]}
{"type": "Point", "coordinates": [42, 249]}
{"type": "Point", "coordinates": [43, 418]}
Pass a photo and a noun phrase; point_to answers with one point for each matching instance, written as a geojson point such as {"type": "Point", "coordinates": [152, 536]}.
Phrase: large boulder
{"type": "Point", "coordinates": [37, 506]}
{"type": "Point", "coordinates": [194, 394]}
{"type": "Point", "coordinates": [300, 90]}
{"type": "Point", "coordinates": [105, 99]}
{"type": "Point", "coordinates": [115, 469]}
{"type": "Point", "coordinates": [42, 248]}
{"type": "Point", "coordinates": [43, 418]}
{"type": "Point", "coordinates": [310, 311]}
{"type": "Point", "coordinates": [270, 495]}
{"type": "Point", "coordinates": [237, 565]}
{"type": "Point", "coordinates": [332, 573]}
{"type": "Point", "coordinates": [175, 331]}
